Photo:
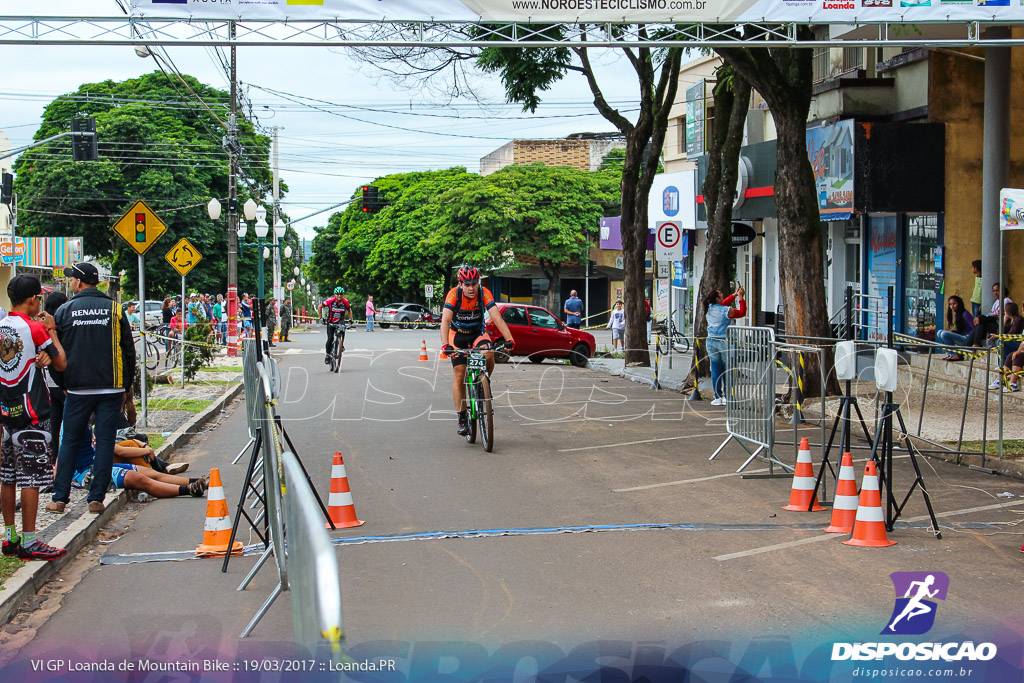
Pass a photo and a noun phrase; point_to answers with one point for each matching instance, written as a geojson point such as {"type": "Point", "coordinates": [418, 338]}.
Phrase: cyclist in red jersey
{"type": "Point", "coordinates": [338, 308]}
{"type": "Point", "coordinates": [462, 327]}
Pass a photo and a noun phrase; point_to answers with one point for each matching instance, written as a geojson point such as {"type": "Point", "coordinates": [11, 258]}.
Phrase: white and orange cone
{"type": "Point", "coordinates": [424, 358]}
{"type": "Point", "coordinates": [217, 531]}
{"type": "Point", "coordinates": [869, 527]}
{"type": "Point", "coordinates": [277, 336]}
{"type": "Point", "coordinates": [844, 506]}
{"type": "Point", "coordinates": [339, 504]}
{"type": "Point", "coordinates": [801, 495]}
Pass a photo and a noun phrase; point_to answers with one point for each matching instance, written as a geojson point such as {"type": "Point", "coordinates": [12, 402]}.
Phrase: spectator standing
{"type": "Point", "coordinates": [959, 324]}
{"type": "Point", "coordinates": [286, 319]}
{"type": "Point", "coordinates": [100, 366]}
{"type": "Point", "coordinates": [271, 320]}
{"type": "Point", "coordinates": [245, 306]}
{"type": "Point", "coordinates": [719, 314]}
{"type": "Point", "coordinates": [371, 312]}
{"type": "Point", "coordinates": [976, 295]}
{"type": "Point", "coordinates": [133, 317]}
{"type": "Point", "coordinates": [573, 309]}
{"type": "Point", "coordinates": [647, 312]}
{"type": "Point", "coordinates": [617, 324]}
{"type": "Point", "coordinates": [26, 452]}
{"type": "Point", "coordinates": [223, 319]}
{"type": "Point", "coordinates": [55, 378]}
{"type": "Point", "coordinates": [218, 308]}
{"type": "Point", "coordinates": [166, 310]}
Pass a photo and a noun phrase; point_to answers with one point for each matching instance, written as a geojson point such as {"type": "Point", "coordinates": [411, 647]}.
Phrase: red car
{"type": "Point", "coordinates": [540, 335]}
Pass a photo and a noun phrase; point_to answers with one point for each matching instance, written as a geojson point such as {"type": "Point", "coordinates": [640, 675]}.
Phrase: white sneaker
{"type": "Point", "coordinates": [995, 385]}
{"type": "Point", "coordinates": [1010, 389]}
{"type": "Point", "coordinates": [718, 401]}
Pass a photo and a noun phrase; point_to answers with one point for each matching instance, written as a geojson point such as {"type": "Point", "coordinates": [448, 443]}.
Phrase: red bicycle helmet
{"type": "Point", "coordinates": [468, 274]}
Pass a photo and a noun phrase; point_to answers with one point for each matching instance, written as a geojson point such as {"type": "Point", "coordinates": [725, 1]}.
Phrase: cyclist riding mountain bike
{"type": "Point", "coordinates": [462, 327]}
{"type": "Point", "coordinates": [338, 308]}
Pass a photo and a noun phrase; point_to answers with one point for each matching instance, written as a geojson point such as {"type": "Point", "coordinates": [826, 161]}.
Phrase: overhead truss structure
{"type": "Point", "coordinates": [127, 31]}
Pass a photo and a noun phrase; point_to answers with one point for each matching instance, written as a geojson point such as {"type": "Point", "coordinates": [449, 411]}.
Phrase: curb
{"type": "Point", "coordinates": [28, 580]}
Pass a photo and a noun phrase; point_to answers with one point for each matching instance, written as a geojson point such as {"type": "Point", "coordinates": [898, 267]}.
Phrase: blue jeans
{"type": "Point", "coordinates": [77, 410]}
{"type": "Point", "coordinates": [716, 354]}
{"type": "Point", "coordinates": [950, 338]}
{"type": "Point", "coordinates": [369, 323]}
{"type": "Point", "coordinates": [223, 332]}
{"type": "Point", "coordinates": [975, 309]}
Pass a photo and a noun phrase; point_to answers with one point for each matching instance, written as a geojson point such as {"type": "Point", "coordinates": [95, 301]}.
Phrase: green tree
{"type": "Point", "coordinates": [531, 215]}
{"type": "Point", "coordinates": [157, 144]}
{"type": "Point", "coordinates": [783, 78]}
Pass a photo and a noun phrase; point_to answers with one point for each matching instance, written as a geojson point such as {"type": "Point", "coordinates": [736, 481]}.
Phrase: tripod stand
{"type": "Point", "coordinates": [881, 453]}
{"type": "Point", "coordinates": [842, 423]}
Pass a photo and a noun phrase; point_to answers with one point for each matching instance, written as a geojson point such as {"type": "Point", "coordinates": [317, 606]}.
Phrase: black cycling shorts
{"type": "Point", "coordinates": [465, 340]}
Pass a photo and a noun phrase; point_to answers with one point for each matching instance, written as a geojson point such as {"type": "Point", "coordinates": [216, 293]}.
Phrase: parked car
{"type": "Point", "coordinates": [153, 314]}
{"type": "Point", "coordinates": [540, 335]}
{"type": "Point", "coordinates": [401, 313]}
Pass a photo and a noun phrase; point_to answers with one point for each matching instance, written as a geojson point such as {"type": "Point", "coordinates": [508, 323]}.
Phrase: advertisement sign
{"type": "Point", "coordinates": [585, 11]}
{"type": "Point", "coordinates": [1011, 209]}
{"type": "Point", "coordinates": [830, 150]}
{"type": "Point", "coordinates": [12, 252]}
{"type": "Point", "coordinates": [884, 248]}
{"type": "Point", "coordinates": [696, 115]}
{"type": "Point", "coordinates": [661, 299]}
{"type": "Point", "coordinates": [673, 198]}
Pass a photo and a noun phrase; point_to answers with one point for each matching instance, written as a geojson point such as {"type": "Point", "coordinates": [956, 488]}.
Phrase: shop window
{"type": "Point", "coordinates": [922, 239]}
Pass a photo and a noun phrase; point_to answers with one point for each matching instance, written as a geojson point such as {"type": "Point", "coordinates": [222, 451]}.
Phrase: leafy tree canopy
{"type": "Point", "coordinates": [156, 143]}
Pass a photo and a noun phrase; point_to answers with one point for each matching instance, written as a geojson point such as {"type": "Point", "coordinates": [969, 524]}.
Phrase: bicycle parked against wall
{"type": "Point", "coordinates": [674, 339]}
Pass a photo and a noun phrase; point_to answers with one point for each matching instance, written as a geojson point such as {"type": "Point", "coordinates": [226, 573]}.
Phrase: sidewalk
{"type": "Point", "coordinates": [669, 378]}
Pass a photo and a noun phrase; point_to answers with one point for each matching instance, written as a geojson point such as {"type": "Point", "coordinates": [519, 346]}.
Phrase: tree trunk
{"type": "Point", "coordinates": [783, 77]}
{"type": "Point", "coordinates": [634, 254]}
{"type": "Point", "coordinates": [552, 272]}
{"type": "Point", "coordinates": [732, 98]}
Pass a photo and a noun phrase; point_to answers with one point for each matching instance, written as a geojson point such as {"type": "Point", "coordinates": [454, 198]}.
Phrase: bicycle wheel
{"type": "Point", "coordinates": [482, 387]}
{"type": "Point", "coordinates": [664, 343]}
{"type": "Point", "coordinates": [473, 410]}
{"type": "Point", "coordinates": [152, 356]}
{"type": "Point", "coordinates": [335, 357]}
{"type": "Point", "coordinates": [681, 345]}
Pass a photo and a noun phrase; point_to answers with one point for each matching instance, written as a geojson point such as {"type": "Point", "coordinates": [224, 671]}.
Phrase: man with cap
{"type": "Point", "coordinates": [97, 339]}
{"type": "Point", "coordinates": [271, 320]}
{"type": "Point", "coordinates": [26, 452]}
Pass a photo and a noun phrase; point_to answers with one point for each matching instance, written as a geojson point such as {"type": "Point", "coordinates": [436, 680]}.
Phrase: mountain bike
{"type": "Point", "coordinates": [674, 339]}
{"type": "Point", "coordinates": [479, 404]}
{"type": "Point", "coordinates": [336, 350]}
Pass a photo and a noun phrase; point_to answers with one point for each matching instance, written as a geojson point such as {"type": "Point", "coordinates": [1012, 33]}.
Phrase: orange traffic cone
{"type": "Point", "coordinates": [217, 532]}
{"type": "Point", "coordinates": [277, 336]}
{"type": "Point", "coordinates": [339, 503]}
{"type": "Point", "coordinates": [844, 506]}
{"type": "Point", "coordinates": [424, 358]}
{"type": "Point", "coordinates": [869, 527]}
{"type": "Point", "coordinates": [801, 495]}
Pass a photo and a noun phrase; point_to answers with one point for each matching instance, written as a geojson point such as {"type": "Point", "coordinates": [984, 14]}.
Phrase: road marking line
{"type": "Point", "coordinates": [634, 443]}
{"type": "Point", "coordinates": [825, 537]}
{"type": "Point", "coordinates": [688, 481]}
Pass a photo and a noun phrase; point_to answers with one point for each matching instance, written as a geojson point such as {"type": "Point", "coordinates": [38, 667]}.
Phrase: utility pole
{"type": "Point", "coordinates": [278, 292]}
{"type": "Point", "coordinates": [232, 145]}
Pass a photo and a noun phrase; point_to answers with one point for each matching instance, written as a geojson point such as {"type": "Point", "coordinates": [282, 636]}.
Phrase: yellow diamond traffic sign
{"type": "Point", "coordinates": [140, 227]}
{"type": "Point", "coordinates": [183, 257]}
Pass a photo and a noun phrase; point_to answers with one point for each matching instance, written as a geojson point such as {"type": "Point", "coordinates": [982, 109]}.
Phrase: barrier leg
{"type": "Point", "coordinates": [263, 611]}
{"type": "Point", "coordinates": [256, 568]}
{"type": "Point", "coordinates": [242, 452]}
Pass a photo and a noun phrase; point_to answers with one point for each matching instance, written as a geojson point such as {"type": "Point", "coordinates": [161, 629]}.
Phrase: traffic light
{"type": "Point", "coordinates": [84, 147]}
{"type": "Point", "coordinates": [371, 199]}
{"type": "Point", "coordinates": [6, 188]}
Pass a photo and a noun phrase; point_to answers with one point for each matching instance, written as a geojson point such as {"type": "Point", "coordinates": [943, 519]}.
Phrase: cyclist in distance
{"type": "Point", "coordinates": [462, 327]}
{"type": "Point", "coordinates": [338, 308]}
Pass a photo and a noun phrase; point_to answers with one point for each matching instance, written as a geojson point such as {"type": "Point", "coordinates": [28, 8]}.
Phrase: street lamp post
{"type": "Point", "coordinates": [263, 249]}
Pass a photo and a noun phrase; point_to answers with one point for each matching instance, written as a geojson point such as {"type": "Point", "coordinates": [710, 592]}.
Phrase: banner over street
{"type": "Point", "coordinates": [576, 11]}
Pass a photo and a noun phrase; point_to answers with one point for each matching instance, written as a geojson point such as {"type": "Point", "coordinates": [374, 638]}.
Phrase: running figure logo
{"type": "Point", "coordinates": [916, 592]}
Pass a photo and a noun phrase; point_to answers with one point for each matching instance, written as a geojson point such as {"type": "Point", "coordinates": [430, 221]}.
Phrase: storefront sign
{"type": "Point", "coordinates": [1011, 209]}
{"type": "Point", "coordinates": [742, 234]}
{"type": "Point", "coordinates": [830, 149]}
{"type": "Point", "coordinates": [12, 252]}
{"type": "Point", "coordinates": [696, 110]}
{"type": "Point", "coordinates": [661, 308]}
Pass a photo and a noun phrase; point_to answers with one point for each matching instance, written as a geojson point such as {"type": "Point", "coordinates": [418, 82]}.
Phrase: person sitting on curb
{"type": "Point", "coordinates": [959, 325]}
{"type": "Point", "coordinates": [135, 477]}
{"type": "Point", "coordinates": [1013, 323]}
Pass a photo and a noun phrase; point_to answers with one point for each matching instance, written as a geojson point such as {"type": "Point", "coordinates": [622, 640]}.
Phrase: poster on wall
{"type": "Point", "coordinates": [661, 309]}
{"type": "Point", "coordinates": [883, 263]}
{"type": "Point", "coordinates": [585, 11]}
{"type": "Point", "coordinates": [696, 109]}
{"type": "Point", "coordinates": [830, 149]}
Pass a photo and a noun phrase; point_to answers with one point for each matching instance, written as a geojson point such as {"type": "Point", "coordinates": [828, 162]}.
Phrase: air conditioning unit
{"type": "Point", "coordinates": [886, 361]}
{"type": "Point", "coordinates": [846, 360]}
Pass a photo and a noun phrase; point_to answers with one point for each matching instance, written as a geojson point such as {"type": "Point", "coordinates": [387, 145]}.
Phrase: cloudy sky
{"type": "Point", "coordinates": [342, 123]}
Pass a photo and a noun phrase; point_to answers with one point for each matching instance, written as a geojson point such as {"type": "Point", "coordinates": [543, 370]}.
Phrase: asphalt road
{"type": "Point", "coordinates": [574, 447]}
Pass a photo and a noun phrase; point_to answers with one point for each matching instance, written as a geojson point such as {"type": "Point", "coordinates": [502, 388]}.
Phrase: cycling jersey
{"type": "Point", "coordinates": [336, 307]}
{"type": "Point", "coordinates": [468, 313]}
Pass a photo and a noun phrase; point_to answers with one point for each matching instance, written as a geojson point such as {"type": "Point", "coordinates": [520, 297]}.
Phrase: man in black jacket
{"type": "Point", "coordinates": [97, 339]}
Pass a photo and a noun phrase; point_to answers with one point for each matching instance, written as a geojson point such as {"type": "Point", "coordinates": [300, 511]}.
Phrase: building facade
{"type": "Point", "coordinates": [583, 152]}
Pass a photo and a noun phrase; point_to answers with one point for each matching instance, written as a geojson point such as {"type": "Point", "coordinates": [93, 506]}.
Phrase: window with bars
{"type": "Point", "coordinates": [853, 58]}
{"type": "Point", "coordinates": [820, 57]}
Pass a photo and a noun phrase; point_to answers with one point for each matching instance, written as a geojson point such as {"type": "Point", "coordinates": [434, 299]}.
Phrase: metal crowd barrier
{"type": "Point", "coordinates": [315, 578]}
